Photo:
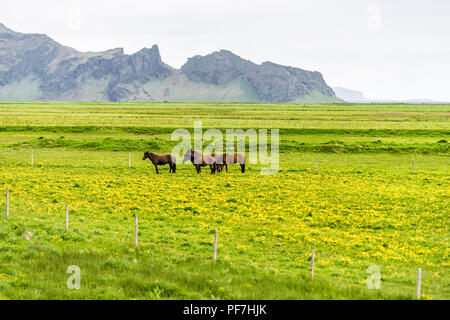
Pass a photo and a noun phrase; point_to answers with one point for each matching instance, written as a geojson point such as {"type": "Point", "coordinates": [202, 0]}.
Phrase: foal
{"type": "Point", "coordinates": [160, 160]}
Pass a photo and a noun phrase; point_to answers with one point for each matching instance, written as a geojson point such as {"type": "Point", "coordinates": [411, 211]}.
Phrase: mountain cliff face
{"type": "Point", "coordinates": [272, 82]}
{"type": "Point", "coordinates": [35, 67]}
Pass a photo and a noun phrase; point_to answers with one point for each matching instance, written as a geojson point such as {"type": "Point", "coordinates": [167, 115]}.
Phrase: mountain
{"type": "Point", "coordinates": [271, 82]}
{"type": "Point", "coordinates": [349, 95]}
{"type": "Point", "coordinates": [34, 67]}
{"type": "Point", "coordinates": [353, 96]}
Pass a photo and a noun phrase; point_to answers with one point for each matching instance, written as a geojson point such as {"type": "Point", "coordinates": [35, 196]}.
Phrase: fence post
{"type": "Point", "coordinates": [419, 278]}
{"type": "Point", "coordinates": [67, 217]}
{"type": "Point", "coordinates": [7, 202]}
{"type": "Point", "coordinates": [215, 245]}
{"type": "Point", "coordinates": [312, 264]}
{"type": "Point", "coordinates": [136, 231]}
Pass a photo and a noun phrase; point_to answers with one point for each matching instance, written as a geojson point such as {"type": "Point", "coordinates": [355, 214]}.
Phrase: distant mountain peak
{"type": "Point", "coordinates": [115, 51]}
{"type": "Point", "coordinates": [225, 52]}
{"type": "Point", "coordinates": [4, 29]}
{"type": "Point", "coordinates": [154, 49]}
{"type": "Point", "coordinates": [152, 52]}
{"type": "Point", "coordinates": [349, 95]}
{"type": "Point", "coordinates": [271, 82]}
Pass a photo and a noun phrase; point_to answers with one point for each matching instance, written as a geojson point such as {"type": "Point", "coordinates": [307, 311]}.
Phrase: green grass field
{"type": "Point", "coordinates": [363, 207]}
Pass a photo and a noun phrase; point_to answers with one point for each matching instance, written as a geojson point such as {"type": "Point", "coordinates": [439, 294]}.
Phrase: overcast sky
{"type": "Point", "coordinates": [395, 49]}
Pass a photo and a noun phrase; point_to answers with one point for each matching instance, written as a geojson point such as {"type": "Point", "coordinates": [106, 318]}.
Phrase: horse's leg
{"type": "Point", "coordinates": [174, 167]}
{"type": "Point", "coordinates": [156, 167]}
{"type": "Point", "coordinates": [226, 167]}
{"type": "Point", "coordinates": [170, 168]}
{"type": "Point", "coordinates": [197, 167]}
{"type": "Point", "coordinates": [242, 167]}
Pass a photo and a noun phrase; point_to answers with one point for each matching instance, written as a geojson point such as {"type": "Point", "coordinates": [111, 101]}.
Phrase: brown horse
{"type": "Point", "coordinates": [230, 159]}
{"type": "Point", "coordinates": [200, 160]}
{"type": "Point", "coordinates": [160, 160]}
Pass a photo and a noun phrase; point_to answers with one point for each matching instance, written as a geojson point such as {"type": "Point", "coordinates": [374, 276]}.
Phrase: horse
{"type": "Point", "coordinates": [199, 160]}
{"type": "Point", "coordinates": [230, 159]}
{"type": "Point", "coordinates": [160, 160]}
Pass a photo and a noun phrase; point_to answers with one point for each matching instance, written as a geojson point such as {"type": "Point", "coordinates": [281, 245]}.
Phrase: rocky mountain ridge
{"type": "Point", "coordinates": [35, 67]}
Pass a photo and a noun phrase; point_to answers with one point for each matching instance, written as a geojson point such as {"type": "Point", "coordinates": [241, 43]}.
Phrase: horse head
{"type": "Point", "coordinates": [146, 155]}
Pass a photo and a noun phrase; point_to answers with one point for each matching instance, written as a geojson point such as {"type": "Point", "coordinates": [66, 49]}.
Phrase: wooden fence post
{"type": "Point", "coordinates": [215, 245]}
{"type": "Point", "coordinates": [419, 278]}
{"type": "Point", "coordinates": [67, 217]}
{"type": "Point", "coordinates": [312, 264]}
{"type": "Point", "coordinates": [136, 231]}
{"type": "Point", "coordinates": [7, 202]}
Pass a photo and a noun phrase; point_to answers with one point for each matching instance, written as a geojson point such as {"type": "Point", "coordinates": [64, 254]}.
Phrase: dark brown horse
{"type": "Point", "coordinates": [230, 159]}
{"type": "Point", "coordinates": [160, 160]}
{"type": "Point", "coordinates": [199, 160]}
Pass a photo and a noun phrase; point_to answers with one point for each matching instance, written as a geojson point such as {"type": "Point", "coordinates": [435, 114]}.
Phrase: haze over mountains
{"type": "Point", "coordinates": [33, 67]}
{"type": "Point", "coordinates": [354, 96]}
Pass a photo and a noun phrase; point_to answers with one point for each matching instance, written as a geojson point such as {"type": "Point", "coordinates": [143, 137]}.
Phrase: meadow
{"type": "Point", "coordinates": [363, 207]}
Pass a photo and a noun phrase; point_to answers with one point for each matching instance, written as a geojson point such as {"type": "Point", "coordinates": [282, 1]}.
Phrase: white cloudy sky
{"type": "Point", "coordinates": [396, 49]}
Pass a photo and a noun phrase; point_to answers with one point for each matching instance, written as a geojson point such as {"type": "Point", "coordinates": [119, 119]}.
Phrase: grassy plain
{"type": "Point", "coordinates": [364, 207]}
